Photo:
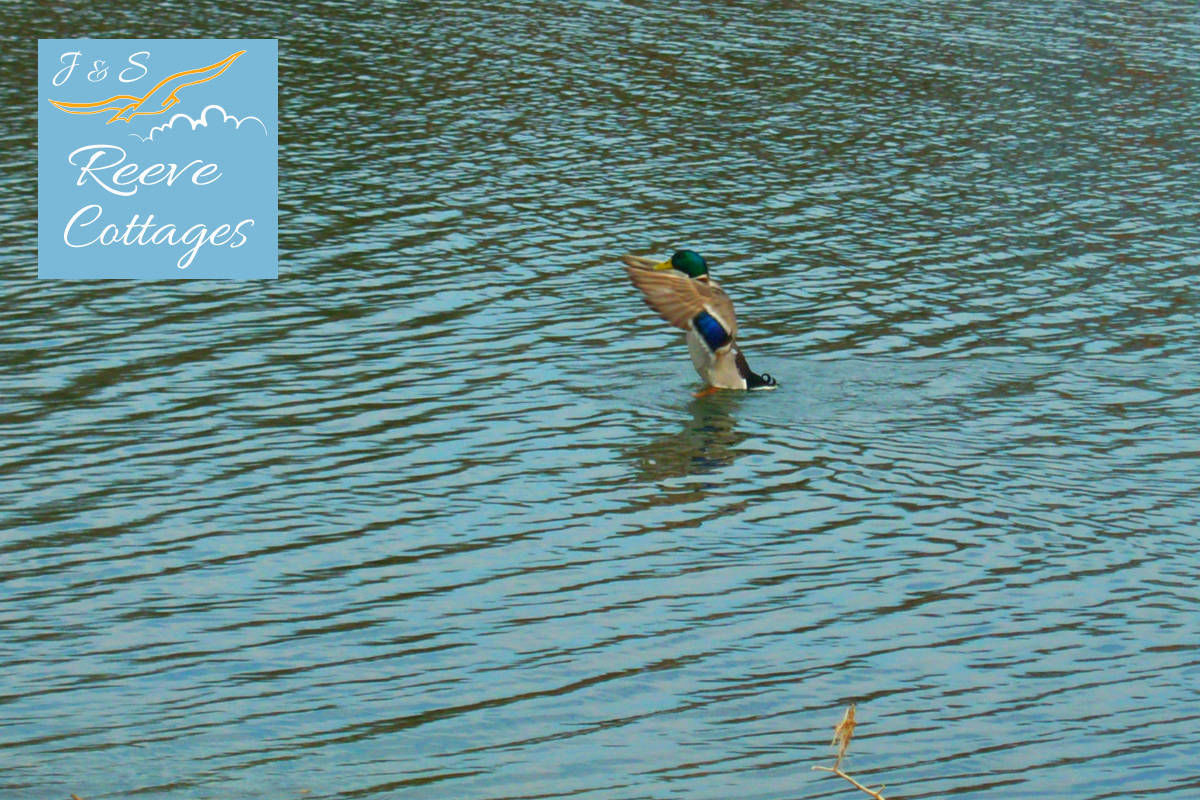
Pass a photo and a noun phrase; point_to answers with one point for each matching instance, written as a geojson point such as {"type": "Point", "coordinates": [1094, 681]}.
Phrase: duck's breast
{"type": "Point", "coordinates": [717, 369]}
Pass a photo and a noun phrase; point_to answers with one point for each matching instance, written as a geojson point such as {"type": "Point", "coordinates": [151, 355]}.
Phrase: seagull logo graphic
{"type": "Point", "coordinates": [164, 94]}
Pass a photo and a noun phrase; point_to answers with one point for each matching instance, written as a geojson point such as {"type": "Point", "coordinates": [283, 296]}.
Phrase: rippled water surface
{"type": "Point", "coordinates": [435, 514]}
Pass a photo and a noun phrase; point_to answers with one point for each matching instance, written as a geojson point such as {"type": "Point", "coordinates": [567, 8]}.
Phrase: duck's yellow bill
{"type": "Point", "coordinates": [664, 265]}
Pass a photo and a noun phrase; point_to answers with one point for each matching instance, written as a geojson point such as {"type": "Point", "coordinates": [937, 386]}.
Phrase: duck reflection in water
{"type": "Point", "coordinates": [708, 441]}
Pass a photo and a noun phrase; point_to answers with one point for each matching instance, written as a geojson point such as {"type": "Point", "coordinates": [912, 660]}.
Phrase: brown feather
{"type": "Point", "coordinates": [639, 262]}
{"type": "Point", "coordinates": [678, 298]}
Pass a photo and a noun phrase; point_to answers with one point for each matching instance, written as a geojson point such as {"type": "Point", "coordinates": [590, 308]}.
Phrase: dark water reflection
{"type": "Point", "coordinates": [435, 514]}
{"type": "Point", "coordinates": [706, 443]}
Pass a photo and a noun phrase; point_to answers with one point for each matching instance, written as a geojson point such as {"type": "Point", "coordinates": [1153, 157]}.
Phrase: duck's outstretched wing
{"type": "Point", "coordinates": [640, 262]}
{"type": "Point", "coordinates": [686, 303]}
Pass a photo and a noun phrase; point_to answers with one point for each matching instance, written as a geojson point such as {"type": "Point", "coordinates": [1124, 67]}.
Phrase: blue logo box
{"type": "Point", "coordinates": [157, 158]}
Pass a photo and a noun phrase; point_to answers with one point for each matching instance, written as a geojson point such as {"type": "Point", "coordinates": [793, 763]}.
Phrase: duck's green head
{"type": "Point", "coordinates": [688, 262]}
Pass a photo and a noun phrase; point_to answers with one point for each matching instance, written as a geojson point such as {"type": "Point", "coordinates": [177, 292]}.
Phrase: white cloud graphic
{"type": "Point", "coordinates": [202, 121]}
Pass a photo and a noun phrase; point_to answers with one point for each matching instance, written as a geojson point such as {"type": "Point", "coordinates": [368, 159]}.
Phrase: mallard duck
{"type": "Point", "coordinates": [683, 294]}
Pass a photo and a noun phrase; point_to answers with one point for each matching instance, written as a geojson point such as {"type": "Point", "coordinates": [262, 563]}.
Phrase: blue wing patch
{"type": "Point", "coordinates": [713, 333]}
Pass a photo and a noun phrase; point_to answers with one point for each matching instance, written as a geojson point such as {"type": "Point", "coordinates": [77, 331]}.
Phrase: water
{"type": "Point", "coordinates": [434, 515]}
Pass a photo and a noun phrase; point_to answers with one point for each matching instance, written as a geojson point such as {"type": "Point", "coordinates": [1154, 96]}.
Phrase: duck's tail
{"type": "Point", "coordinates": [752, 378]}
{"type": "Point", "coordinates": [763, 381]}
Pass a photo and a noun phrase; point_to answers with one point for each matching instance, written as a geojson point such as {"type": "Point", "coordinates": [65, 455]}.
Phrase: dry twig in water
{"type": "Point", "coordinates": [841, 739]}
